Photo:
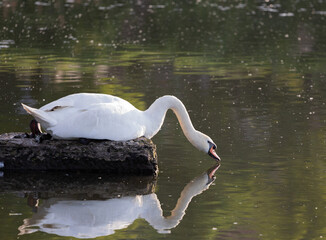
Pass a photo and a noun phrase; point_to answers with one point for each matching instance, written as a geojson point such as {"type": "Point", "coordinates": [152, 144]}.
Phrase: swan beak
{"type": "Point", "coordinates": [212, 170]}
{"type": "Point", "coordinates": [213, 154]}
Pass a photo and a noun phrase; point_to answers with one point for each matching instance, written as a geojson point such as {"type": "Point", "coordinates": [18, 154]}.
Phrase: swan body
{"type": "Point", "coordinates": [102, 116]}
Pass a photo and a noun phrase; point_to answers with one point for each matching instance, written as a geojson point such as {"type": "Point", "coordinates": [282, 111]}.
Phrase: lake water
{"type": "Point", "coordinates": [252, 75]}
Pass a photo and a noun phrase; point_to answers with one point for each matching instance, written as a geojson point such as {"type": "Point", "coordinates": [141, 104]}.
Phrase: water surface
{"type": "Point", "coordinates": [251, 74]}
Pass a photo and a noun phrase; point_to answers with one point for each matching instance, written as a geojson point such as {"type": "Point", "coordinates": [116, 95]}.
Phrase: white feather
{"type": "Point", "coordinates": [101, 116]}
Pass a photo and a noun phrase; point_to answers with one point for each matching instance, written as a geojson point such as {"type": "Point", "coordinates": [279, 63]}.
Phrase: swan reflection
{"type": "Point", "coordinates": [94, 218]}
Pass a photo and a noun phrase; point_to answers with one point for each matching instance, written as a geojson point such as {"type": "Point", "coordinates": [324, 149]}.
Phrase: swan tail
{"type": "Point", "coordinates": [42, 117]}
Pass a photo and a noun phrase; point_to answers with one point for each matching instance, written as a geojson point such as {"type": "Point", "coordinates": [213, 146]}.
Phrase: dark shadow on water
{"type": "Point", "coordinates": [74, 185]}
{"type": "Point", "coordinates": [89, 206]}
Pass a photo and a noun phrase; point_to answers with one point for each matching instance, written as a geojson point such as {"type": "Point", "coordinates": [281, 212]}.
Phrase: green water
{"type": "Point", "coordinates": [251, 74]}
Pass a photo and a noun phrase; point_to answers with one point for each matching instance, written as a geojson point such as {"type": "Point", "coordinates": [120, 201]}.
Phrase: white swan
{"type": "Point", "coordinates": [101, 116]}
{"type": "Point", "coordinates": [96, 218]}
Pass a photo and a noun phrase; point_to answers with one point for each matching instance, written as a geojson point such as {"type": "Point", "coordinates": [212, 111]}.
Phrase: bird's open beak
{"type": "Point", "coordinates": [213, 154]}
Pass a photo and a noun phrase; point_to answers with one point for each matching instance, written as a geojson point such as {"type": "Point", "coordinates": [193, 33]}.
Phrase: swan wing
{"type": "Point", "coordinates": [98, 121]}
{"type": "Point", "coordinates": [89, 115]}
{"type": "Point", "coordinates": [82, 100]}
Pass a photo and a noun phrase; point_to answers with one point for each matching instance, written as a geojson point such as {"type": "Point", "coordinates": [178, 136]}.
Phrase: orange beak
{"type": "Point", "coordinates": [211, 171]}
{"type": "Point", "coordinates": [213, 154]}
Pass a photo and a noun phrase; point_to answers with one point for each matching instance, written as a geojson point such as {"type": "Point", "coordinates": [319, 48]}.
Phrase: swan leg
{"type": "Point", "coordinates": [37, 132]}
{"type": "Point", "coordinates": [35, 128]}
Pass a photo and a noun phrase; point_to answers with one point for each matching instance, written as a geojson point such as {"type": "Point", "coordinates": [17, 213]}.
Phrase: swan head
{"type": "Point", "coordinates": [206, 144]}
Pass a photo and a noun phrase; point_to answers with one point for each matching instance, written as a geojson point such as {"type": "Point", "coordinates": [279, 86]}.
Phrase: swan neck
{"type": "Point", "coordinates": [192, 189]}
{"type": "Point", "coordinates": [157, 112]}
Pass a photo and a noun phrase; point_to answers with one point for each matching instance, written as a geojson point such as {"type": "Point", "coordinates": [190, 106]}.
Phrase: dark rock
{"type": "Point", "coordinates": [17, 152]}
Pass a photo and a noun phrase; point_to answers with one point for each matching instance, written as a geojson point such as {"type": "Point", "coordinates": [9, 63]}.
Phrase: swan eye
{"type": "Point", "coordinates": [211, 145]}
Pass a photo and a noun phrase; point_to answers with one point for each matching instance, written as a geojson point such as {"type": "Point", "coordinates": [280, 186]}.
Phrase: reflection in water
{"type": "Point", "coordinates": [94, 218]}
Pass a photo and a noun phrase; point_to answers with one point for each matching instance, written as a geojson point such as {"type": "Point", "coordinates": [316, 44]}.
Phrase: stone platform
{"type": "Point", "coordinates": [137, 157]}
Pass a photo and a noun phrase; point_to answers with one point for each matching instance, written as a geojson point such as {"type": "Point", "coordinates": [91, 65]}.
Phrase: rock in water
{"type": "Point", "coordinates": [119, 157]}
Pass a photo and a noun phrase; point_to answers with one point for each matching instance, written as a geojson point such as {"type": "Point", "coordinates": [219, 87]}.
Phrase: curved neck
{"type": "Point", "coordinates": [193, 188]}
{"type": "Point", "coordinates": [156, 114]}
